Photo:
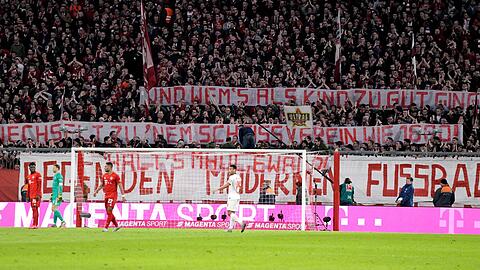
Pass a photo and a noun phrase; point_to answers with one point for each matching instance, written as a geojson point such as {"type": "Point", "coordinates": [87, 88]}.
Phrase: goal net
{"type": "Point", "coordinates": [174, 187]}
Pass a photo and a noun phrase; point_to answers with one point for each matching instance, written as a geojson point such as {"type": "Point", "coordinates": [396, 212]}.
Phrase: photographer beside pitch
{"type": "Point", "coordinates": [444, 195]}
{"type": "Point", "coordinates": [233, 184]}
{"type": "Point", "coordinates": [347, 193]}
{"type": "Point", "coordinates": [405, 198]}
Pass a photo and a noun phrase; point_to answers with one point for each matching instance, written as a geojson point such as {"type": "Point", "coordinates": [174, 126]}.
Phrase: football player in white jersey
{"type": "Point", "coordinates": [234, 185]}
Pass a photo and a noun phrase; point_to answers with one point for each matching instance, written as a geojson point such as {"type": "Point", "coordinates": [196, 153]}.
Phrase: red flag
{"type": "Point", "coordinates": [338, 66]}
{"type": "Point", "coordinates": [149, 78]}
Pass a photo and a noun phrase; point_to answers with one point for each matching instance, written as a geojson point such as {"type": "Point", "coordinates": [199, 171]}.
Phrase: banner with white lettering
{"type": "Point", "coordinates": [206, 133]}
{"type": "Point", "coordinates": [193, 176]}
{"type": "Point", "coordinates": [375, 98]}
{"type": "Point", "coordinates": [299, 116]}
{"type": "Point", "coordinates": [183, 216]}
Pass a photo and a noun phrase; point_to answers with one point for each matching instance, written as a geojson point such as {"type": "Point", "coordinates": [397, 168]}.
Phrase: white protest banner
{"type": "Point", "coordinates": [184, 177]}
{"type": "Point", "coordinates": [378, 179]}
{"type": "Point", "coordinates": [206, 133]}
{"type": "Point", "coordinates": [375, 98]}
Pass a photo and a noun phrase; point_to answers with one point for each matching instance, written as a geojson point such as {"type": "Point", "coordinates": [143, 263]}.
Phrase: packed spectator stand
{"type": "Point", "coordinates": [82, 60]}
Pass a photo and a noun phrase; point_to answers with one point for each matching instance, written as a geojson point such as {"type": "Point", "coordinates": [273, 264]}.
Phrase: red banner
{"type": "Point", "coordinates": [206, 133]}
{"type": "Point", "coordinates": [185, 176]}
{"type": "Point", "coordinates": [10, 185]}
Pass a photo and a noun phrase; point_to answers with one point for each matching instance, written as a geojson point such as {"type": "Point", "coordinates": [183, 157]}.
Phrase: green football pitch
{"type": "Point", "coordinates": [215, 249]}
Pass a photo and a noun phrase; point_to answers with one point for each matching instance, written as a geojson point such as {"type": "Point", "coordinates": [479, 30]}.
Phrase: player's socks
{"type": "Point", "coordinates": [55, 217]}
{"type": "Point", "coordinates": [36, 220]}
{"type": "Point", "coordinates": [35, 216]}
{"type": "Point", "coordinates": [236, 218]}
{"type": "Point", "coordinates": [244, 225]}
{"type": "Point", "coordinates": [232, 222]}
{"type": "Point", "coordinates": [114, 221]}
{"type": "Point", "coordinates": [59, 216]}
{"type": "Point", "coordinates": [109, 219]}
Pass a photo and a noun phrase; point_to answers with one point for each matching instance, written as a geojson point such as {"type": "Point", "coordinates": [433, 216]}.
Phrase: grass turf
{"type": "Point", "coordinates": [214, 249]}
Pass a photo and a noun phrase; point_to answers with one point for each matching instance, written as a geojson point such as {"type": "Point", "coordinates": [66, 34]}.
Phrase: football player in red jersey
{"type": "Point", "coordinates": [34, 192]}
{"type": "Point", "coordinates": [110, 182]}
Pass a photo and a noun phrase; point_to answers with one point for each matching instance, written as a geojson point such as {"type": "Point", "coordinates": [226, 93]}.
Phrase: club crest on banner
{"type": "Point", "coordinates": [299, 116]}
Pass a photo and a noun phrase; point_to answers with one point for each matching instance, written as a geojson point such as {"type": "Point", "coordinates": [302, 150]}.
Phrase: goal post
{"type": "Point", "coordinates": [186, 177]}
{"type": "Point", "coordinates": [376, 179]}
{"type": "Point", "coordinates": [304, 184]}
{"type": "Point", "coordinates": [336, 190]}
{"type": "Point", "coordinates": [73, 181]}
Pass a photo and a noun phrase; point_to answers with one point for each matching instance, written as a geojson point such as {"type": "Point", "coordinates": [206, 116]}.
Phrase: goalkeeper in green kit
{"type": "Point", "coordinates": [57, 189]}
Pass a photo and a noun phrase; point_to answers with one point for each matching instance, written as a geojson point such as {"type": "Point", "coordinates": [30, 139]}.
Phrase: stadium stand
{"type": "Point", "coordinates": [81, 60]}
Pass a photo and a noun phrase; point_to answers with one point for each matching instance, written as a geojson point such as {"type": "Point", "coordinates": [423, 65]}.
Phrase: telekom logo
{"type": "Point", "coordinates": [357, 221]}
{"type": "Point", "coordinates": [2, 206]}
{"type": "Point", "coordinates": [448, 219]}
{"type": "Point", "coordinates": [344, 209]}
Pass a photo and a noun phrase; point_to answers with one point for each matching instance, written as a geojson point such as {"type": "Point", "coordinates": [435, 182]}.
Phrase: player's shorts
{"type": "Point", "coordinates": [232, 205]}
{"type": "Point", "coordinates": [110, 202]}
{"type": "Point", "coordinates": [55, 202]}
{"type": "Point", "coordinates": [35, 202]}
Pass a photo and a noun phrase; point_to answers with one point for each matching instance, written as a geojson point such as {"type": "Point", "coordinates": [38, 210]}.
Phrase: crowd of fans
{"type": "Point", "coordinates": [82, 60]}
